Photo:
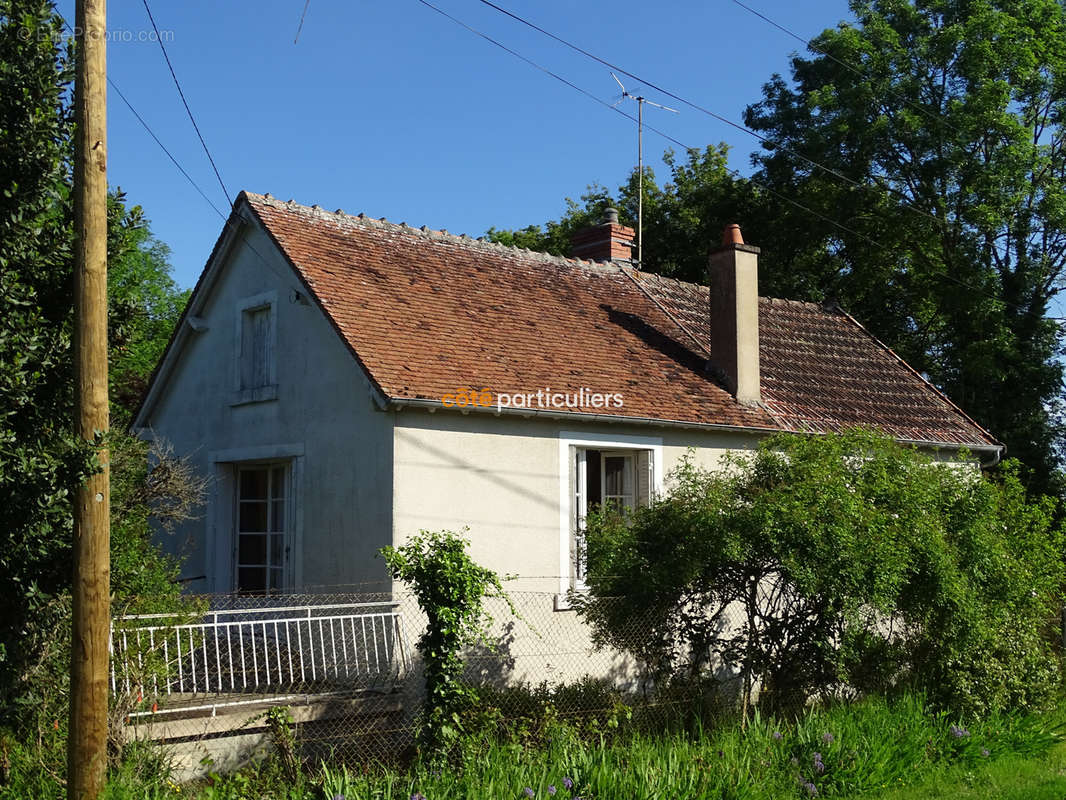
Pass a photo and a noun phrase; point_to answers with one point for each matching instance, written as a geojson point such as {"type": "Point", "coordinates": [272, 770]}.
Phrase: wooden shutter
{"type": "Point", "coordinates": [645, 466]}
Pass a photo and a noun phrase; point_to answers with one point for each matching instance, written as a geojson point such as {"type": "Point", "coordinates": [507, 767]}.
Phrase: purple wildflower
{"type": "Point", "coordinates": [551, 789]}
{"type": "Point", "coordinates": [529, 791]}
{"type": "Point", "coordinates": [827, 738]}
{"type": "Point", "coordinates": [338, 796]}
{"type": "Point", "coordinates": [958, 732]}
{"type": "Point", "coordinates": [415, 796]}
{"type": "Point", "coordinates": [984, 752]}
{"type": "Point", "coordinates": [776, 736]}
{"type": "Point", "coordinates": [812, 790]}
{"type": "Point", "coordinates": [819, 767]}
{"type": "Point", "coordinates": [569, 784]}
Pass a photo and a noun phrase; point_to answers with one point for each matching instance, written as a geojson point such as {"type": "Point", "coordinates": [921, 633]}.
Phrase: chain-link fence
{"type": "Point", "coordinates": [201, 681]}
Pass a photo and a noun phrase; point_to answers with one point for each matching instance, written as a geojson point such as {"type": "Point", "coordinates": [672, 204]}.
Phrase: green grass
{"type": "Point", "coordinates": [874, 749]}
{"type": "Point", "coordinates": [1008, 778]}
{"type": "Point", "coordinates": [843, 752]}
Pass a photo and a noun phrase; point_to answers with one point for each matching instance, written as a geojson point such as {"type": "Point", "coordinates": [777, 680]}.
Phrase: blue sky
{"type": "Point", "coordinates": [390, 109]}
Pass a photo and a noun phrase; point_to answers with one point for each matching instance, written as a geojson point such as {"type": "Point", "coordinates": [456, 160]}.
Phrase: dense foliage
{"type": "Point", "coordinates": [449, 586]}
{"type": "Point", "coordinates": [818, 563]}
{"type": "Point", "coordinates": [940, 126]}
{"type": "Point", "coordinates": [143, 305]}
{"type": "Point", "coordinates": [915, 173]}
{"type": "Point", "coordinates": [40, 461]}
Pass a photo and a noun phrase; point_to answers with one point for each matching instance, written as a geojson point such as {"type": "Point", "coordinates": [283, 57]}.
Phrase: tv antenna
{"type": "Point", "coordinates": [641, 100]}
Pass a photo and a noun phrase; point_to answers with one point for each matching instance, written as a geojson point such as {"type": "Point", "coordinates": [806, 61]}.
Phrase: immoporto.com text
{"type": "Point", "coordinates": [545, 398]}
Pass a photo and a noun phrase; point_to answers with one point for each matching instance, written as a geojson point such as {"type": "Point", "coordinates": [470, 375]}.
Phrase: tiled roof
{"type": "Point", "coordinates": [427, 313]}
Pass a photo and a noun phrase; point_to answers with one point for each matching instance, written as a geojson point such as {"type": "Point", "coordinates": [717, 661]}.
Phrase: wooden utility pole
{"type": "Point", "coordinates": [87, 743]}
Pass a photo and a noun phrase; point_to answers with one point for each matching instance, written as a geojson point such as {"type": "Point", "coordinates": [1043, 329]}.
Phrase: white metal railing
{"type": "Point", "coordinates": [260, 651]}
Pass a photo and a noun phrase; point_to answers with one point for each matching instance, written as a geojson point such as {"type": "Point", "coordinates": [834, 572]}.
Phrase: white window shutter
{"type": "Point", "coordinates": [645, 477]}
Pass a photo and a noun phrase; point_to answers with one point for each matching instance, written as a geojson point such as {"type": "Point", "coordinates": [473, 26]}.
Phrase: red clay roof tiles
{"type": "Point", "coordinates": [428, 313]}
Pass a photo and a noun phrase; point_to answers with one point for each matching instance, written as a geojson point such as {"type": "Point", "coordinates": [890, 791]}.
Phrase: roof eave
{"type": "Point", "coordinates": [231, 229]}
{"type": "Point", "coordinates": [399, 403]}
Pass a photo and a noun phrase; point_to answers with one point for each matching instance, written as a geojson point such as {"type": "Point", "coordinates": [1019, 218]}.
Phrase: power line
{"type": "Point", "coordinates": [185, 102]}
{"type": "Point", "coordinates": [301, 26]}
{"type": "Point", "coordinates": [733, 172]}
{"type": "Point", "coordinates": [703, 110]}
{"type": "Point", "coordinates": [227, 222]}
{"type": "Point", "coordinates": [668, 137]}
{"type": "Point", "coordinates": [163, 147]}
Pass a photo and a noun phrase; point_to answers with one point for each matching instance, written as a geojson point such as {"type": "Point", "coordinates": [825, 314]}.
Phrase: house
{"type": "Point", "coordinates": [349, 381]}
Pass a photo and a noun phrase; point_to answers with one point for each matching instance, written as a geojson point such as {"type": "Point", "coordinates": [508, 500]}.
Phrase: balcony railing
{"type": "Point", "coordinates": [248, 655]}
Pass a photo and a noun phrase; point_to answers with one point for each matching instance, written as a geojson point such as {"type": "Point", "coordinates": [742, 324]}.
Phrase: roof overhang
{"type": "Point", "coordinates": [993, 453]}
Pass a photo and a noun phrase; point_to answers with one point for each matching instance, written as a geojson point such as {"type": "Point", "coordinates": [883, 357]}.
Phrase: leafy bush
{"type": "Point", "coordinates": [819, 562]}
{"type": "Point", "coordinates": [449, 586]}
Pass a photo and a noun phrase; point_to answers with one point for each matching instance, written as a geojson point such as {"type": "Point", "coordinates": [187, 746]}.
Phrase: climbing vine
{"type": "Point", "coordinates": [450, 587]}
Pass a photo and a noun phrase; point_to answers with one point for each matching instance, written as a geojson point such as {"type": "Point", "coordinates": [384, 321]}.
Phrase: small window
{"type": "Point", "coordinates": [256, 350]}
{"type": "Point", "coordinates": [260, 547]}
{"type": "Point", "coordinates": [255, 342]}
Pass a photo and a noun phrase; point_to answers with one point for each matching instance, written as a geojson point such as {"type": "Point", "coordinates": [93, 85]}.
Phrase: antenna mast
{"type": "Point", "coordinates": [641, 100]}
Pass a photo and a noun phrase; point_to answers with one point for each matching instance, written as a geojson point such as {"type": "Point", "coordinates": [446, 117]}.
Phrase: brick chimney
{"type": "Point", "coordinates": [608, 241]}
{"type": "Point", "coordinates": [733, 273]}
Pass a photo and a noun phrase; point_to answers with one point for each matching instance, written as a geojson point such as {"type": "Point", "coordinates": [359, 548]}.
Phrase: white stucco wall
{"type": "Point", "coordinates": [501, 476]}
{"type": "Point", "coordinates": [506, 479]}
{"type": "Point", "coordinates": [323, 422]}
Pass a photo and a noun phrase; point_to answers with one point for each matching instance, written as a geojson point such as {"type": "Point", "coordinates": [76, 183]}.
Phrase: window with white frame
{"type": "Point", "coordinates": [604, 477]}
{"type": "Point", "coordinates": [261, 547]}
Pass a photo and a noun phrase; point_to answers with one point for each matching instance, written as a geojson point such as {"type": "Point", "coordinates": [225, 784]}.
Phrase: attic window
{"type": "Point", "coordinates": [255, 348]}
{"type": "Point", "coordinates": [255, 370]}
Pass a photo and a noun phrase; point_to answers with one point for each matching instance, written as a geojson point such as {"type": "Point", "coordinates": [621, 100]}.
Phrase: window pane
{"type": "Point", "coordinates": [277, 515]}
{"type": "Point", "coordinates": [593, 489]}
{"type": "Point", "coordinates": [275, 579]}
{"type": "Point", "coordinates": [253, 517]}
{"type": "Point", "coordinates": [277, 483]}
{"type": "Point", "coordinates": [251, 579]}
{"type": "Point", "coordinates": [277, 549]}
{"type": "Point", "coordinates": [253, 484]}
{"type": "Point", "coordinates": [252, 549]}
{"type": "Point", "coordinates": [614, 471]}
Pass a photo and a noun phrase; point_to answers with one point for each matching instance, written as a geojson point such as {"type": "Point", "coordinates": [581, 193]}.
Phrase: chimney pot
{"type": "Point", "coordinates": [732, 235]}
{"type": "Point", "coordinates": [611, 216]}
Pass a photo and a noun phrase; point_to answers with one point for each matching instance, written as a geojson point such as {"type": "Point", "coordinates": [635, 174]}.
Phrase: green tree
{"type": "Point", "coordinates": [683, 218]}
{"type": "Point", "coordinates": [144, 304]}
{"type": "Point", "coordinates": [818, 561]}
{"type": "Point", "coordinates": [41, 461]}
{"type": "Point", "coordinates": [940, 124]}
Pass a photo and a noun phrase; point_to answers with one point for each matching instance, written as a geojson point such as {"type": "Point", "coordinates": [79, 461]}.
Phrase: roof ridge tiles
{"type": "Point", "coordinates": [318, 212]}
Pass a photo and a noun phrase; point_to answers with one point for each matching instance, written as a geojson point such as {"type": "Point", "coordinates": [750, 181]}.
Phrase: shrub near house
{"type": "Point", "coordinates": [877, 571]}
